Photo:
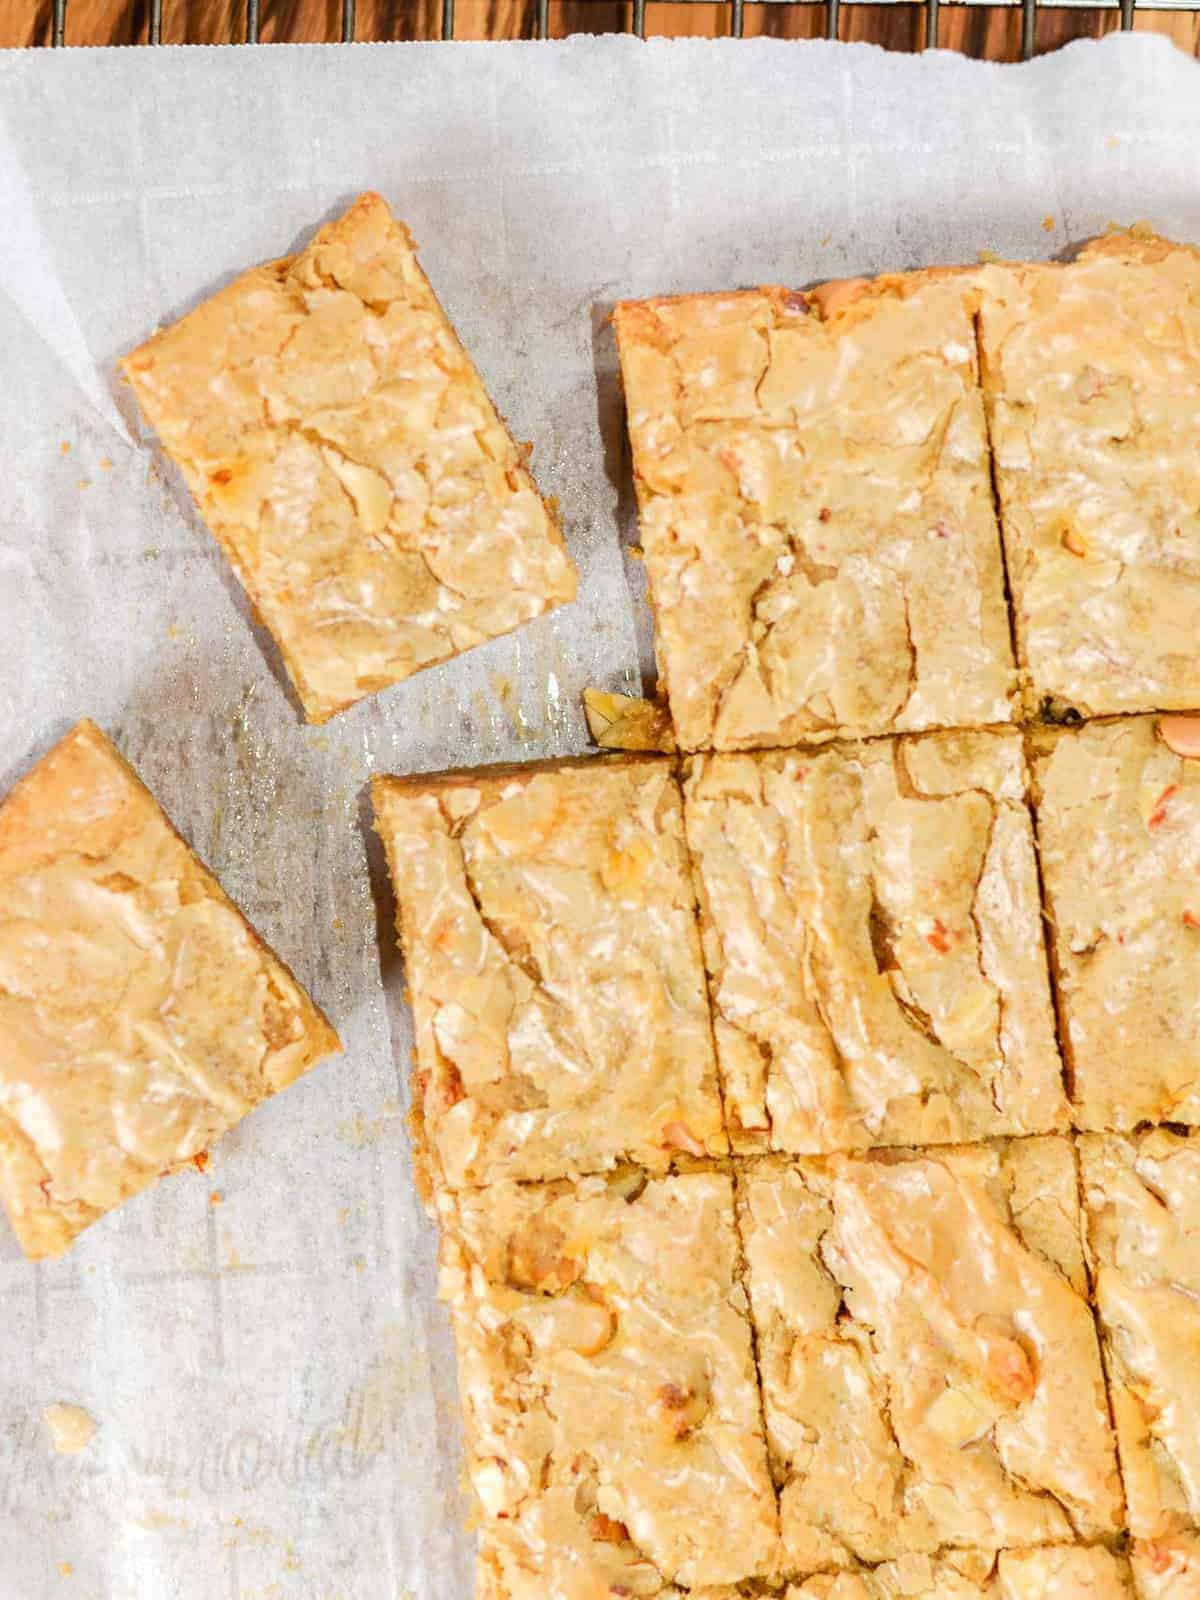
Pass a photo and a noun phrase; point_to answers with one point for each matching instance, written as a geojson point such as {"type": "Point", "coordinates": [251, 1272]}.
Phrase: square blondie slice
{"type": "Point", "coordinates": [614, 1429]}
{"type": "Point", "coordinates": [1049, 1572]}
{"type": "Point", "coordinates": [1142, 1197]}
{"type": "Point", "coordinates": [872, 931]}
{"type": "Point", "coordinates": [816, 510]}
{"type": "Point", "coordinates": [553, 959]}
{"type": "Point", "coordinates": [343, 450]}
{"type": "Point", "coordinates": [1092, 376]}
{"type": "Point", "coordinates": [930, 1365]}
{"type": "Point", "coordinates": [1118, 815]}
{"type": "Point", "coordinates": [141, 1016]}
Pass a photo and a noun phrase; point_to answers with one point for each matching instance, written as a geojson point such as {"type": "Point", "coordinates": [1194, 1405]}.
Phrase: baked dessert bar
{"type": "Point", "coordinates": [1142, 1197]}
{"type": "Point", "coordinates": [548, 921]}
{"type": "Point", "coordinates": [608, 1386]}
{"type": "Point", "coordinates": [1092, 374]}
{"type": "Point", "coordinates": [816, 510]}
{"type": "Point", "coordinates": [1050, 1572]}
{"type": "Point", "coordinates": [1118, 809]}
{"type": "Point", "coordinates": [873, 935]}
{"type": "Point", "coordinates": [930, 1367]}
{"type": "Point", "coordinates": [344, 452]}
{"type": "Point", "coordinates": [1167, 1569]}
{"type": "Point", "coordinates": [141, 1015]}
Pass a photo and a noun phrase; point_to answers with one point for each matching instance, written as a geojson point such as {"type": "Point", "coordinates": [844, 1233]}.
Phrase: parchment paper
{"type": "Point", "coordinates": [271, 1375]}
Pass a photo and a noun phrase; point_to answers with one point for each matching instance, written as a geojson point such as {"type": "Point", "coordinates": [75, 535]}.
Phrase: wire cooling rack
{"type": "Point", "coordinates": [1122, 10]}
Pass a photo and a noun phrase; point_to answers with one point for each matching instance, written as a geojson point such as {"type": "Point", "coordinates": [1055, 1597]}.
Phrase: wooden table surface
{"type": "Point", "coordinates": [989, 31]}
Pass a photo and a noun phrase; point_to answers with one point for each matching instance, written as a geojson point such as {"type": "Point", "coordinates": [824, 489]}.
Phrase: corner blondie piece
{"type": "Point", "coordinates": [344, 452]}
{"type": "Point", "coordinates": [1167, 1569]}
{"type": "Point", "coordinates": [1051, 1572]}
{"type": "Point", "coordinates": [1142, 1196]}
{"type": "Point", "coordinates": [873, 934]}
{"type": "Point", "coordinates": [1092, 374]}
{"type": "Point", "coordinates": [614, 1431]}
{"type": "Point", "coordinates": [1118, 809]}
{"type": "Point", "coordinates": [930, 1366]}
{"type": "Point", "coordinates": [816, 510]}
{"type": "Point", "coordinates": [548, 922]}
{"type": "Point", "coordinates": [142, 1017]}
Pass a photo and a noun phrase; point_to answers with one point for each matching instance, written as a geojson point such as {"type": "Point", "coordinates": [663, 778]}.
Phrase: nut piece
{"type": "Point", "coordinates": [1181, 734]}
{"type": "Point", "coordinates": [678, 1136]}
{"type": "Point", "coordinates": [833, 297]}
{"type": "Point", "coordinates": [622, 722]}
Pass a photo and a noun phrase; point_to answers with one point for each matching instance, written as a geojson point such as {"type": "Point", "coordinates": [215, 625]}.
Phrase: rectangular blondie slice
{"type": "Point", "coordinates": [548, 922]}
{"type": "Point", "coordinates": [1092, 376]}
{"type": "Point", "coordinates": [1118, 811]}
{"type": "Point", "coordinates": [343, 450]}
{"type": "Point", "coordinates": [872, 931]}
{"type": "Point", "coordinates": [816, 510]}
{"type": "Point", "coordinates": [614, 1430]}
{"type": "Point", "coordinates": [930, 1365]}
{"type": "Point", "coordinates": [1142, 1198]}
{"type": "Point", "coordinates": [141, 1015]}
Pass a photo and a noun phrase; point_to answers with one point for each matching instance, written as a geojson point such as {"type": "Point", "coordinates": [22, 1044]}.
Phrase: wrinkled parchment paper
{"type": "Point", "coordinates": [271, 1375]}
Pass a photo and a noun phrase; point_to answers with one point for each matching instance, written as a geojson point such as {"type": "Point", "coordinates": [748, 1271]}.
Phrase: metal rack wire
{"type": "Point", "coordinates": [735, 9]}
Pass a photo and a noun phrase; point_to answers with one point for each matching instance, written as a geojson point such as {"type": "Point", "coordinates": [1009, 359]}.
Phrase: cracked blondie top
{"type": "Point", "coordinates": [872, 931]}
{"type": "Point", "coordinates": [1118, 807]}
{"type": "Point", "coordinates": [1142, 1198]}
{"type": "Point", "coordinates": [1092, 374]}
{"type": "Point", "coordinates": [343, 450]}
{"type": "Point", "coordinates": [929, 1361]}
{"type": "Point", "coordinates": [608, 1385]}
{"type": "Point", "coordinates": [142, 1017]}
{"type": "Point", "coordinates": [1053, 1572]}
{"type": "Point", "coordinates": [816, 510]}
{"type": "Point", "coordinates": [548, 922]}
{"type": "Point", "coordinates": [1167, 1569]}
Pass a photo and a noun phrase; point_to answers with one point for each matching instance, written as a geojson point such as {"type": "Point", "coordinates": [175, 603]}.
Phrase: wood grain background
{"type": "Point", "coordinates": [990, 31]}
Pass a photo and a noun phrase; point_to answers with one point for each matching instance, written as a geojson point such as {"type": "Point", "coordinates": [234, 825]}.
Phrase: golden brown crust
{"type": "Point", "coordinates": [343, 450]}
{"type": "Point", "coordinates": [142, 1014]}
